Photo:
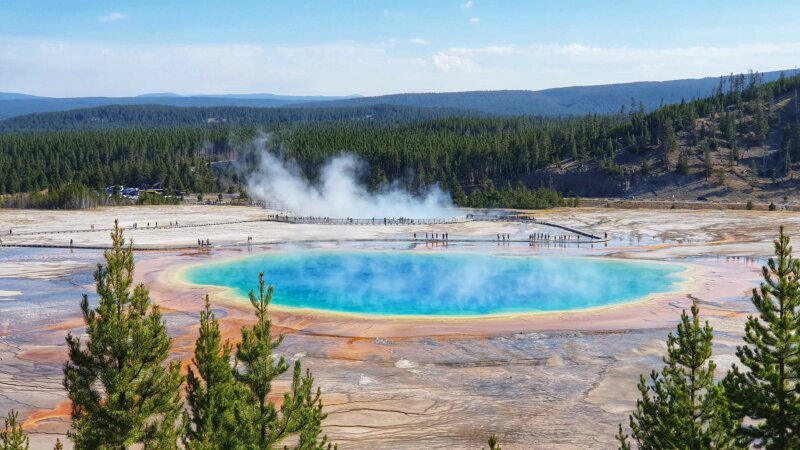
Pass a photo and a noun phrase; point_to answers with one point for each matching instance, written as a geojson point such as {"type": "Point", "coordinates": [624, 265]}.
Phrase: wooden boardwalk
{"type": "Point", "coordinates": [581, 237]}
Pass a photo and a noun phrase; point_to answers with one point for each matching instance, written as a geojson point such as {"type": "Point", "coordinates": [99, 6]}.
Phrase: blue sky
{"type": "Point", "coordinates": [115, 48]}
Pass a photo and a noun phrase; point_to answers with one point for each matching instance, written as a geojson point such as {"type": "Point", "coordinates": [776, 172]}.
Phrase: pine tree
{"type": "Point", "coordinates": [753, 172]}
{"type": "Point", "coordinates": [213, 396]}
{"type": "Point", "coordinates": [683, 164]}
{"type": "Point", "coordinates": [301, 411]}
{"type": "Point", "coordinates": [12, 437]}
{"type": "Point", "coordinates": [769, 393]}
{"type": "Point", "coordinates": [122, 388]}
{"type": "Point", "coordinates": [494, 444]}
{"type": "Point", "coordinates": [457, 192]}
{"type": "Point", "coordinates": [681, 407]}
{"type": "Point", "coordinates": [622, 438]}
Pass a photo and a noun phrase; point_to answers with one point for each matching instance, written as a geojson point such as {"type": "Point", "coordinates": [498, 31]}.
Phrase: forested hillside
{"type": "Point", "coordinates": [158, 116]}
{"type": "Point", "coordinates": [12, 105]}
{"type": "Point", "coordinates": [743, 142]}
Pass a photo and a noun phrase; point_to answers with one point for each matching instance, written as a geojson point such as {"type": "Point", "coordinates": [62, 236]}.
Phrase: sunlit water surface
{"type": "Point", "coordinates": [442, 284]}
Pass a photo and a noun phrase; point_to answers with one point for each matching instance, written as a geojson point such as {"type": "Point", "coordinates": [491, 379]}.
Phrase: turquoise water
{"type": "Point", "coordinates": [445, 284]}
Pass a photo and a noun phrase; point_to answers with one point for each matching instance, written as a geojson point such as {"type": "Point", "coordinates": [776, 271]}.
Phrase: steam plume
{"type": "Point", "coordinates": [339, 193]}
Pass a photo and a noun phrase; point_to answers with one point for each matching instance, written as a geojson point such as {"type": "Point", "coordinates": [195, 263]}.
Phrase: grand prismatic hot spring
{"type": "Point", "coordinates": [407, 283]}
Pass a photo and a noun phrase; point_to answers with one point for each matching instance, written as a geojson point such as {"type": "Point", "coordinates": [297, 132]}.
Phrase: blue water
{"type": "Point", "coordinates": [445, 284]}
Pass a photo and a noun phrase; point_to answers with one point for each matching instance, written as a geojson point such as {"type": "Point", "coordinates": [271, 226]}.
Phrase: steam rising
{"type": "Point", "coordinates": [339, 193]}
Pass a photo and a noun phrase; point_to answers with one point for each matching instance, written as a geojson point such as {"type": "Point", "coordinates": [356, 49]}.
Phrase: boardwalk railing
{"type": "Point", "coordinates": [570, 229]}
{"type": "Point", "coordinates": [355, 221]}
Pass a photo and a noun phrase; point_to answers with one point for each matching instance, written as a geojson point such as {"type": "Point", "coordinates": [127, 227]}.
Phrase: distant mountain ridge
{"type": "Point", "coordinates": [575, 100]}
{"type": "Point", "coordinates": [16, 96]}
{"type": "Point", "coordinates": [12, 105]}
{"type": "Point", "coordinates": [256, 96]}
{"type": "Point", "coordinates": [565, 101]}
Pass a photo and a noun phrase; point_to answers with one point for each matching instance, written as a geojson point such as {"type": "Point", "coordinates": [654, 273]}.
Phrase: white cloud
{"type": "Point", "coordinates": [467, 5]}
{"type": "Point", "coordinates": [490, 50]}
{"type": "Point", "coordinates": [418, 41]}
{"type": "Point", "coordinates": [393, 14]}
{"type": "Point", "coordinates": [452, 63]}
{"type": "Point", "coordinates": [474, 20]}
{"type": "Point", "coordinates": [113, 17]}
{"type": "Point", "coordinates": [79, 68]}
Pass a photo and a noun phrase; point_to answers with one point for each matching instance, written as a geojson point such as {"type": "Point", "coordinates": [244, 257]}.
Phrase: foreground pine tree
{"type": "Point", "coordinates": [769, 393]}
{"type": "Point", "coordinates": [301, 412]}
{"type": "Point", "coordinates": [122, 388]}
{"type": "Point", "coordinates": [213, 419]}
{"type": "Point", "coordinates": [681, 407]}
{"type": "Point", "coordinates": [622, 438]}
{"type": "Point", "coordinates": [12, 436]}
{"type": "Point", "coordinates": [493, 443]}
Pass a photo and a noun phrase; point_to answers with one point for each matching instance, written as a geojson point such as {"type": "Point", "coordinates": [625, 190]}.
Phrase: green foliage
{"type": "Point", "coordinates": [162, 116]}
{"type": "Point", "coordinates": [708, 164]}
{"type": "Point", "coordinates": [683, 164]}
{"type": "Point", "coordinates": [493, 443]}
{"type": "Point", "coordinates": [12, 437]}
{"type": "Point", "coordinates": [791, 142]}
{"type": "Point", "coordinates": [258, 368]}
{"type": "Point", "coordinates": [767, 396]}
{"type": "Point", "coordinates": [749, 205]}
{"type": "Point", "coordinates": [720, 176]}
{"type": "Point", "coordinates": [213, 419]}
{"type": "Point", "coordinates": [70, 196]}
{"type": "Point", "coordinates": [175, 158]}
{"type": "Point", "coordinates": [123, 389]}
{"type": "Point", "coordinates": [414, 148]}
{"type": "Point", "coordinates": [301, 411]}
{"type": "Point", "coordinates": [681, 407]}
{"type": "Point", "coordinates": [622, 438]}
{"type": "Point", "coordinates": [151, 198]}
{"type": "Point", "coordinates": [518, 197]}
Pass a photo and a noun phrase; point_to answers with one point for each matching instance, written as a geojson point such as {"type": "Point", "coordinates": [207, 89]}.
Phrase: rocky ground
{"type": "Point", "coordinates": [553, 381]}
